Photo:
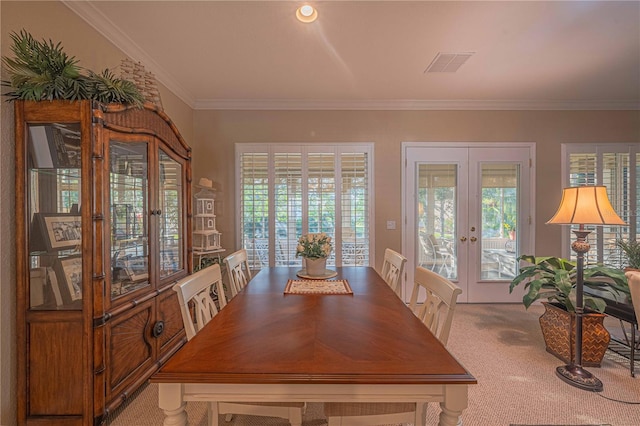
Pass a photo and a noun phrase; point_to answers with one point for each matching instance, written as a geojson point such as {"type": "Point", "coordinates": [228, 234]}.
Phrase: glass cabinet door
{"type": "Point", "coordinates": [129, 212]}
{"type": "Point", "coordinates": [170, 200]}
{"type": "Point", "coordinates": [55, 228]}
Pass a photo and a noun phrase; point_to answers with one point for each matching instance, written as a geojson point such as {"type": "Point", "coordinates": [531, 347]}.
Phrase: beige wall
{"type": "Point", "coordinates": [217, 131]}
{"type": "Point", "coordinates": [212, 135]}
{"type": "Point", "coordinates": [50, 21]}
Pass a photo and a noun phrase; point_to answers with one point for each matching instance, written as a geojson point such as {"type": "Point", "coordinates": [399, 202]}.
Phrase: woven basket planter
{"type": "Point", "coordinates": [559, 331]}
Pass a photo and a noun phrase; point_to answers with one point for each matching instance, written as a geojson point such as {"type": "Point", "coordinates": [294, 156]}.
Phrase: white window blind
{"type": "Point", "coordinates": [289, 190]}
{"type": "Point", "coordinates": [615, 166]}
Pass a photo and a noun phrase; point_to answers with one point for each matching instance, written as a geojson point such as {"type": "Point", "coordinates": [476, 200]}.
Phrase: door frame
{"type": "Point", "coordinates": [526, 248]}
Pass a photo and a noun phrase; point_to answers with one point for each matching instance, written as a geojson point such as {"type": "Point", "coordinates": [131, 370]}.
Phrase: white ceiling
{"type": "Point", "coordinates": [373, 54]}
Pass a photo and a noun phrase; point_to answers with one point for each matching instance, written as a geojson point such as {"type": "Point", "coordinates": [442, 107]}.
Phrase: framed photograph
{"type": "Point", "coordinates": [55, 231]}
{"type": "Point", "coordinates": [69, 274]}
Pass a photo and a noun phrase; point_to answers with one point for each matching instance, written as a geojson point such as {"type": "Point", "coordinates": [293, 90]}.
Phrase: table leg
{"type": "Point", "coordinates": [170, 401]}
{"type": "Point", "coordinates": [455, 400]}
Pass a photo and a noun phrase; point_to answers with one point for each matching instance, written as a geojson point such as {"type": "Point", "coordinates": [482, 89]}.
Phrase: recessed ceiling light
{"type": "Point", "coordinates": [306, 14]}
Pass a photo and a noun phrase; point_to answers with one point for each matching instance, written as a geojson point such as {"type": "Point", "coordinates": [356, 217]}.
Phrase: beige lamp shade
{"type": "Point", "coordinates": [586, 205]}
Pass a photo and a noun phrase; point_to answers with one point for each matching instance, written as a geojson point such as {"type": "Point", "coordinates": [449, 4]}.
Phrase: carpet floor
{"type": "Point", "coordinates": [502, 346]}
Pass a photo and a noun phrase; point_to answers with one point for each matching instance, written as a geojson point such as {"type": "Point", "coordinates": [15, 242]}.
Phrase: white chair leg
{"type": "Point", "coordinates": [334, 421]}
{"type": "Point", "coordinates": [295, 416]}
{"type": "Point", "coordinates": [212, 414]}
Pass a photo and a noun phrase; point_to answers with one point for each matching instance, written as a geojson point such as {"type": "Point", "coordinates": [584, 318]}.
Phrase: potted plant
{"type": "Point", "coordinates": [42, 71]}
{"type": "Point", "coordinates": [631, 253]}
{"type": "Point", "coordinates": [314, 248]}
{"type": "Point", "coordinates": [554, 280]}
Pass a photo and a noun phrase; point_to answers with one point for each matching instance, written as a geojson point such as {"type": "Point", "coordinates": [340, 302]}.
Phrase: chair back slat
{"type": "Point", "coordinates": [238, 270]}
{"type": "Point", "coordinates": [436, 312]}
{"type": "Point", "coordinates": [195, 298]}
{"type": "Point", "coordinates": [392, 270]}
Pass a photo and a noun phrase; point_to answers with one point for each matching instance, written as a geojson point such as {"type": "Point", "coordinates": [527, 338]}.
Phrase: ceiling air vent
{"type": "Point", "coordinates": [448, 62]}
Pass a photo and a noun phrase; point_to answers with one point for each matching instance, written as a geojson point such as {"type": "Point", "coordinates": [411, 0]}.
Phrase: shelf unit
{"type": "Point", "coordinates": [103, 204]}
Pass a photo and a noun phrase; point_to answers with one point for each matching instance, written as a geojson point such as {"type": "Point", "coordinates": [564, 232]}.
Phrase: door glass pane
{"type": "Point", "coordinates": [436, 218]}
{"type": "Point", "coordinates": [128, 193]}
{"type": "Point", "coordinates": [170, 216]}
{"type": "Point", "coordinates": [499, 248]}
{"type": "Point", "coordinates": [55, 233]}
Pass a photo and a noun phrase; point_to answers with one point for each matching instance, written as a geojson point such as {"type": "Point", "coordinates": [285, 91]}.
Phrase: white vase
{"type": "Point", "coordinates": [316, 267]}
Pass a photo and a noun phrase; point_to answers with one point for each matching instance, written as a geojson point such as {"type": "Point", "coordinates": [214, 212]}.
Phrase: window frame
{"type": "Point", "coordinates": [337, 149]}
{"type": "Point", "coordinates": [600, 149]}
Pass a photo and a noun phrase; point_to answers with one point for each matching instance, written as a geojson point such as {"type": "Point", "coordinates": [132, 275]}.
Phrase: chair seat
{"type": "Point", "coordinates": [347, 409]}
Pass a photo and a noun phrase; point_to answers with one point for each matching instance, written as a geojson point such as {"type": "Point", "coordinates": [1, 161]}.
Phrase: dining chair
{"type": "Point", "coordinates": [238, 272]}
{"type": "Point", "coordinates": [436, 257]}
{"type": "Point", "coordinates": [633, 278]}
{"type": "Point", "coordinates": [436, 312]}
{"type": "Point", "coordinates": [198, 308]}
{"type": "Point", "coordinates": [392, 270]}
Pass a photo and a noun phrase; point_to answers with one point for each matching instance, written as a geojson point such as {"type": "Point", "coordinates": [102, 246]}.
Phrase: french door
{"type": "Point", "coordinates": [468, 215]}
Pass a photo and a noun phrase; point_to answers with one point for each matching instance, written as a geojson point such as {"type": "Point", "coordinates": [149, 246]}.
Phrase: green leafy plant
{"type": "Point", "coordinates": [41, 71]}
{"type": "Point", "coordinates": [106, 88]}
{"type": "Point", "coordinates": [631, 252]}
{"type": "Point", "coordinates": [554, 279]}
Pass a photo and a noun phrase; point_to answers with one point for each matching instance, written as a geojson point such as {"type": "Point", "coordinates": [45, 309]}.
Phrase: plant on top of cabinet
{"type": "Point", "coordinates": [43, 71]}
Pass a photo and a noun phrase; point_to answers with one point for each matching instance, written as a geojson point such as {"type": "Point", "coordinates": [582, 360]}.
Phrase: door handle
{"type": "Point", "coordinates": [473, 239]}
{"type": "Point", "coordinates": [463, 239]}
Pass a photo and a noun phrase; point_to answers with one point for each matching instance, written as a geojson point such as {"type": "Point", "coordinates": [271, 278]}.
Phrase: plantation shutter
{"type": "Point", "coordinates": [616, 167]}
{"type": "Point", "coordinates": [354, 207]}
{"type": "Point", "coordinates": [312, 188]}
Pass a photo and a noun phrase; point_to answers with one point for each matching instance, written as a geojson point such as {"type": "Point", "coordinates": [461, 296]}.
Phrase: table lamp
{"type": "Point", "coordinates": [583, 205]}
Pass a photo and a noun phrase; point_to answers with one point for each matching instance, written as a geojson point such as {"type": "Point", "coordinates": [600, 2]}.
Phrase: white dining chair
{"type": "Point", "coordinates": [238, 271]}
{"type": "Point", "coordinates": [392, 270]}
{"type": "Point", "coordinates": [436, 312]}
{"type": "Point", "coordinates": [633, 277]}
{"type": "Point", "coordinates": [198, 308]}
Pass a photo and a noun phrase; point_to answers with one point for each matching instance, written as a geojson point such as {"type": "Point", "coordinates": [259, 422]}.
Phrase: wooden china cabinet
{"type": "Point", "coordinates": [103, 204]}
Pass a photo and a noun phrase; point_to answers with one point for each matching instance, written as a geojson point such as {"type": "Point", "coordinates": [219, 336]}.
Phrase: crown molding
{"type": "Point", "coordinates": [409, 105]}
{"type": "Point", "coordinates": [98, 21]}
{"type": "Point", "coordinates": [103, 25]}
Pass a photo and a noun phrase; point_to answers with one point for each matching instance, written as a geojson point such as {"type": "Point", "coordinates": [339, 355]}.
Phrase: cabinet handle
{"type": "Point", "coordinates": [155, 212]}
{"type": "Point", "coordinates": [158, 328]}
{"type": "Point", "coordinates": [463, 239]}
{"type": "Point", "coordinates": [473, 239]}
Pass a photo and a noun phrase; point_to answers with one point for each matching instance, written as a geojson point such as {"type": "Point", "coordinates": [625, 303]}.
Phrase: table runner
{"type": "Point", "coordinates": [318, 287]}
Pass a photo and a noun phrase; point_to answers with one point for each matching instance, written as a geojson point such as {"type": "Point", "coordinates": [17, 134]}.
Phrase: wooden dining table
{"type": "Point", "coordinates": [265, 345]}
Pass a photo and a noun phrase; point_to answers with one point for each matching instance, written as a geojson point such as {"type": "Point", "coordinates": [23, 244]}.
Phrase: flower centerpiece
{"type": "Point", "coordinates": [314, 248]}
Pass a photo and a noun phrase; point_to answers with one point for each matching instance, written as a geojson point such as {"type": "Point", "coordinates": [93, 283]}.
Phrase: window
{"type": "Point", "coordinates": [616, 166]}
{"type": "Point", "coordinates": [289, 190]}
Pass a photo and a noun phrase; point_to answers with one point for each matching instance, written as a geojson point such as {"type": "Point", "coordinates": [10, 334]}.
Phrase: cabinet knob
{"type": "Point", "coordinates": [158, 328]}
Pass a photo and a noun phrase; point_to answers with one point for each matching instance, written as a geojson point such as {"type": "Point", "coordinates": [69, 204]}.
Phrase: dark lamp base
{"type": "Point", "coordinates": [579, 377]}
